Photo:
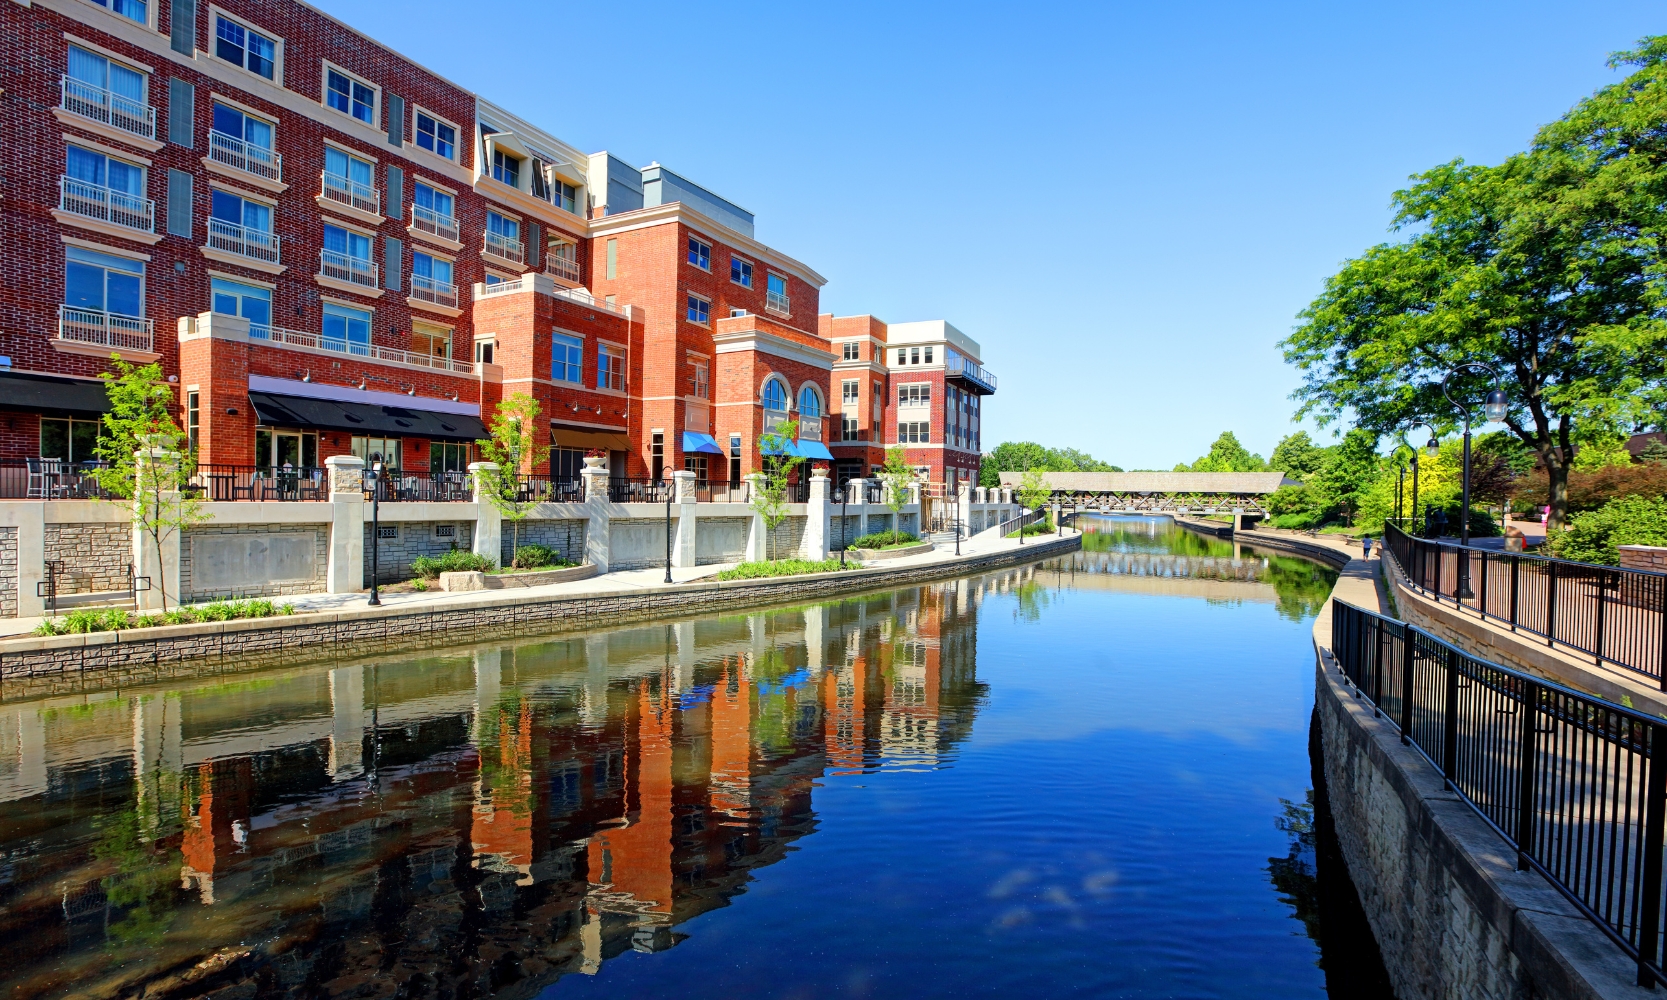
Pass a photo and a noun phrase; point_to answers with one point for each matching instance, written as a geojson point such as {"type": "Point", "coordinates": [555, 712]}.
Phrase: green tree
{"type": "Point", "coordinates": [1351, 468]}
{"type": "Point", "coordinates": [1297, 456]}
{"type": "Point", "coordinates": [769, 498]}
{"type": "Point", "coordinates": [1593, 536]}
{"type": "Point", "coordinates": [1545, 266]}
{"type": "Point", "coordinates": [146, 464]}
{"type": "Point", "coordinates": [896, 476]}
{"type": "Point", "coordinates": [514, 448]}
{"type": "Point", "coordinates": [1019, 456]}
{"type": "Point", "coordinates": [1033, 489]}
{"type": "Point", "coordinates": [1226, 455]}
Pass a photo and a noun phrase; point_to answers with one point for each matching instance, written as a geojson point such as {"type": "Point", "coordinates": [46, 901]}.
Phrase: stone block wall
{"type": "Point", "coordinates": [303, 571]}
{"type": "Point", "coordinates": [721, 540]}
{"type": "Point", "coordinates": [403, 541]}
{"type": "Point", "coordinates": [787, 538]}
{"type": "Point", "coordinates": [95, 555]}
{"type": "Point", "coordinates": [1650, 557]}
{"type": "Point", "coordinates": [637, 543]}
{"type": "Point", "coordinates": [8, 573]}
{"type": "Point", "coordinates": [841, 531]}
{"type": "Point", "coordinates": [565, 536]}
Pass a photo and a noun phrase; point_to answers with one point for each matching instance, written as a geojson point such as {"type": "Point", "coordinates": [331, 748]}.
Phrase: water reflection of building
{"type": "Point", "coordinates": [474, 823]}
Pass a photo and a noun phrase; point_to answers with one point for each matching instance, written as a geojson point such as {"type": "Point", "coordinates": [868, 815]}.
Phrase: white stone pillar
{"type": "Point", "coordinates": [161, 566]}
{"type": "Point", "coordinates": [857, 490]}
{"type": "Point", "coordinates": [683, 544]}
{"type": "Point", "coordinates": [816, 638]}
{"type": "Point", "coordinates": [815, 546]}
{"type": "Point", "coordinates": [489, 679]}
{"type": "Point", "coordinates": [347, 723]}
{"type": "Point", "coordinates": [31, 557]}
{"type": "Point", "coordinates": [489, 523]}
{"type": "Point", "coordinates": [685, 678]}
{"type": "Point", "coordinates": [963, 507]}
{"type": "Point", "coordinates": [756, 532]}
{"type": "Point", "coordinates": [596, 524]}
{"type": "Point", "coordinates": [347, 524]}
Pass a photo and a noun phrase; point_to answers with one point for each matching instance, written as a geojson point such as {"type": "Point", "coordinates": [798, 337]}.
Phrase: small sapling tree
{"type": "Point", "coordinates": [770, 498]}
{"type": "Point", "coordinates": [514, 448]}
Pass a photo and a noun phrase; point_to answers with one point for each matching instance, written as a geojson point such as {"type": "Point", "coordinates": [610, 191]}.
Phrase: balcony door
{"type": "Point", "coordinates": [285, 449]}
{"type": "Point", "coordinates": [103, 282]}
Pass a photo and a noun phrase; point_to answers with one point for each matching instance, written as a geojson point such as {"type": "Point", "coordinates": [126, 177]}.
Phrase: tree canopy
{"type": "Point", "coordinates": [1546, 267]}
{"type": "Point", "coordinates": [1225, 455]}
{"type": "Point", "coordinates": [1022, 456]}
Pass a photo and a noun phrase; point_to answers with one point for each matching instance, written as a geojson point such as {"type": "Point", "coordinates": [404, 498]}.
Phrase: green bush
{"type": "Point", "coordinates": [539, 556]}
{"type": "Point", "coordinates": [455, 561]}
{"type": "Point", "coordinates": [1300, 520]}
{"type": "Point", "coordinates": [1042, 527]}
{"type": "Point", "coordinates": [1594, 536]}
{"type": "Point", "coordinates": [784, 567]}
{"type": "Point", "coordinates": [885, 540]}
{"type": "Point", "coordinates": [116, 619]}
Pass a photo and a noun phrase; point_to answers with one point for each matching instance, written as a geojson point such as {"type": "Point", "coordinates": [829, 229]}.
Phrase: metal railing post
{"type": "Point", "coordinates": [1409, 657]}
{"type": "Point", "coordinates": [1450, 727]}
{"type": "Point", "coordinates": [1655, 804]}
{"type": "Point", "coordinates": [1597, 644]}
{"type": "Point", "coordinates": [1661, 651]}
{"type": "Point", "coordinates": [1377, 667]}
{"type": "Point", "coordinates": [1550, 603]}
{"type": "Point", "coordinates": [1482, 595]}
{"type": "Point", "coordinates": [1525, 778]}
{"type": "Point", "coordinates": [1516, 573]}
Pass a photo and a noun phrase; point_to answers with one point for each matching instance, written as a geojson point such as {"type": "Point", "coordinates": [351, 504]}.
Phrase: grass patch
{"type": "Point", "coordinates": [885, 540]}
{"type": "Point", "coordinates": [117, 619]}
{"type": "Point", "coordinates": [784, 567]}
{"type": "Point", "coordinates": [1043, 527]}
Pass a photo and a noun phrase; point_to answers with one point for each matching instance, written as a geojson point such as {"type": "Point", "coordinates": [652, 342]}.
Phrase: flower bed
{"type": "Point", "coordinates": [117, 619]}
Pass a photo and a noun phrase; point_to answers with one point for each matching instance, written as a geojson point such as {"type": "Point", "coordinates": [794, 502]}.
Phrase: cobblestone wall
{"type": "Point", "coordinates": [1650, 557]}
{"type": "Point", "coordinates": [8, 573]}
{"type": "Point", "coordinates": [95, 556]}
{"type": "Point", "coordinates": [190, 593]}
{"type": "Point", "coordinates": [404, 541]}
{"type": "Point", "coordinates": [565, 536]}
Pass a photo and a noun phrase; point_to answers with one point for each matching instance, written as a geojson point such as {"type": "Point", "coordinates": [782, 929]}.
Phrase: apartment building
{"type": "Point", "coordinates": [332, 250]}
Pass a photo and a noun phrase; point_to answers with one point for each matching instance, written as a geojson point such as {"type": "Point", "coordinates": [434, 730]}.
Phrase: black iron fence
{"type": "Point", "coordinates": [50, 479]}
{"type": "Point", "coordinates": [639, 490]}
{"type": "Point", "coordinates": [1568, 780]}
{"type": "Point", "coordinates": [1611, 614]}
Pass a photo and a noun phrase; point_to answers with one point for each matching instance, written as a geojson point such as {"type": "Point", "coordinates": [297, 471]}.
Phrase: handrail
{"type": "Point", "coordinates": [1612, 614]}
{"type": "Point", "coordinates": [352, 193]}
{"type": "Point", "coordinates": [93, 201]}
{"type": "Point", "coordinates": [256, 244]}
{"type": "Point", "coordinates": [107, 107]}
{"type": "Point", "coordinates": [312, 341]}
{"type": "Point", "coordinates": [105, 329]}
{"type": "Point", "coordinates": [241, 155]}
{"type": "Point", "coordinates": [1568, 780]}
{"type": "Point", "coordinates": [427, 220]}
{"type": "Point", "coordinates": [342, 267]}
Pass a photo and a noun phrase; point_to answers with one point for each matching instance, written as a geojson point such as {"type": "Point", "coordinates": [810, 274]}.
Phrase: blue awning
{"type": "Point", "coordinates": [814, 449]}
{"type": "Point", "coordinates": [702, 443]}
{"type": "Point", "coordinates": [785, 448]}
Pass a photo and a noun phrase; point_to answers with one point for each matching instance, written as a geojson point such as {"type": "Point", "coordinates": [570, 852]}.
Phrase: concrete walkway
{"type": "Point", "coordinates": [608, 583]}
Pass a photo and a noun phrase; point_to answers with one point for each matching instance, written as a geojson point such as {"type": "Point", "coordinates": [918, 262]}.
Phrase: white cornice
{"type": "Point", "coordinates": [659, 215]}
{"type": "Point", "coordinates": [769, 343]}
{"type": "Point", "coordinates": [520, 201]}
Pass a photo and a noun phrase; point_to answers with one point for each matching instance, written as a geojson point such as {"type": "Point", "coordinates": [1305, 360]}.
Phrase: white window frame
{"type": "Point", "coordinates": [689, 299]}
{"type": "Point", "coordinates": [579, 367]}
{"type": "Point", "coordinates": [457, 135]}
{"type": "Point", "coordinates": [215, 12]}
{"type": "Point", "coordinates": [850, 391]}
{"type": "Point", "coordinates": [851, 350]}
{"type": "Point", "coordinates": [324, 95]}
{"type": "Point", "coordinates": [914, 394]}
{"type": "Point", "coordinates": [703, 379]}
{"type": "Point", "coordinates": [914, 432]}
{"type": "Point", "coordinates": [615, 353]}
{"type": "Point", "coordinates": [451, 335]}
{"type": "Point", "coordinates": [750, 270]}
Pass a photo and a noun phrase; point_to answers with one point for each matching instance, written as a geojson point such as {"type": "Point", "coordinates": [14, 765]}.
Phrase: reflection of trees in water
{"type": "Point", "coordinates": [1300, 587]}
{"type": "Point", "coordinates": [1031, 600]}
{"type": "Point", "coordinates": [143, 891]}
{"type": "Point", "coordinates": [1294, 875]}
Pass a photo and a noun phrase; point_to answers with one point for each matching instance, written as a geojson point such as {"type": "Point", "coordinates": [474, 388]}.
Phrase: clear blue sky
{"type": "Point", "coordinates": [1125, 204]}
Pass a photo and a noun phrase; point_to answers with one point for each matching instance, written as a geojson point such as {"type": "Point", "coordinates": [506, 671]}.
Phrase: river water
{"type": "Point", "coordinates": [1089, 777]}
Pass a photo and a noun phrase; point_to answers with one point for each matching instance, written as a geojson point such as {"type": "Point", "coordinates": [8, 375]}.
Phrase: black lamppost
{"type": "Point", "coordinates": [375, 530]}
{"type": "Point", "coordinates": [1494, 408]}
{"type": "Point", "coordinates": [670, 489]}
{"type": "Point", "coordinates": [1400, 490]}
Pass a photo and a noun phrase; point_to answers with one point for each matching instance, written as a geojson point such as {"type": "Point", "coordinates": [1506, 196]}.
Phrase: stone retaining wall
{"type": "Point", "coordinates": [302, 571]}
{"type": "Point", "coordinates": [566, 536]}
{"type": "Point", "coordinates": [95, 555]}
{"type": "Point", "coordinates": [8, 572]}
{"type": "Point", "coordinates": [411, 539]}
{"type": "Point", "coordinates": [721, 540]}
{"type": "Point", "coordinates": [1650, 557]}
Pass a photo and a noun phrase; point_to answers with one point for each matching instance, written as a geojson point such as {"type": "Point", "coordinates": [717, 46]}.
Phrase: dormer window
{"type": "Point", "coordinates": [506, 168]}
{"type": "Point", "coordinates": [565, 195]}
{"type": "Point", "coordinates": [349, 96]}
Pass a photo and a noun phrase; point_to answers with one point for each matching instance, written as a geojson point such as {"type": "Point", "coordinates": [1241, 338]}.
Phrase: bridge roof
{"type": "Point", "coordinates": [1159, 482]}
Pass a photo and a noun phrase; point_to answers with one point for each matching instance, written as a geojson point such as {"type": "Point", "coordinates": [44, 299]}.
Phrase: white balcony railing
{"type": "Point", "coordinates": [240, 155]}
{"type": "Point", "coordinates": [351, 193]}
{"type": "Point", "coordinates": [778, 303]}
{"type": "Point", "coordinates": [281, 337]}
{"type": "Point", "coordinates": [565, 268]}
{"type": "Point", "coordinates": [582, 296]}
{"type": "Point", "coordinates": [255, 244]}
{"type": "Point", "coordinates": [341, 267]}
{"type": "Point", "coordinates": [102, 106]}
{"type": "Point", "coordinates": [502, 246]}
{"type": "Point", "coordinates": [117, 207]}
{"type": "Point", "coordinates": [427, 220]}
{"type": "Point", "coordinates": [96, 328]}
{"type": "Point", "coordinates": [441, 293]}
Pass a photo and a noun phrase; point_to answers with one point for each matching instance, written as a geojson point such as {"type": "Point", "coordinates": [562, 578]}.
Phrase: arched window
{"type": "Point", "coordinates": [810, 402]}
{"type": "Point", "coordinates": [775, 396]}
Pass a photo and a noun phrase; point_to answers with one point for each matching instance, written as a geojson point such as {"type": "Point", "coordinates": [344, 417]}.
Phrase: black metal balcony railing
{"type": "Point", "coordinates": [218, 481]}
{"type": "Point", "coordinates": [639, 490]}
{"type": "Point", "coordinates": [49, 479]}
{"type": "Point", "coordinates": [1575, 785]}
{"type": "Point", "coordinates": [398, 485]}
{"type": "Point", "coordinates": [1608, 613]}
{"type": "Point", "coordinates": [542, 489]}
{"type": "Point", "coordinates": [721, 491]}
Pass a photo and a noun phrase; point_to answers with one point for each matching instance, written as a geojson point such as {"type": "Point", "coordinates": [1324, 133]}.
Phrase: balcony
{"type": "Point", "coordinates": [99, 105]}
{"type": "Point", "coordinates": [341, 267]}
{"type": "Point", "coordinates": [427, 220]}
{"type": "Point", "coordinates": [505, 248]}
{"type": "Point", "coordinates": [105, 331]}
{"type": "Point", "coordinates": [565, 268]}
{"type": "Point", "coordinates": [542, 283]}
{"type": "Point", "coordinates": [242, 241]}
{"type": "Point", "coordinates": [778, 303]}
{"type": "Point", "coordinates": [100, 204]}
{"type": "Point", "coordinates": [962, 371]}
{"type": "Point", "coordinates": [239, 155]}
{"type": "Point", "coordinates": [281, 337]}
{"type": "Point", "coordinates": [349, 193]}
{"type": "Point", "coordinates": [440, 293]}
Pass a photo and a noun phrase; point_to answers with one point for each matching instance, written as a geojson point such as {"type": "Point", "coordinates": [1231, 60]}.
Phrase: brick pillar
{"type": "Point", "coordinates": [346, 573]}
{"type": "Point", "coordinates": [214, 358]}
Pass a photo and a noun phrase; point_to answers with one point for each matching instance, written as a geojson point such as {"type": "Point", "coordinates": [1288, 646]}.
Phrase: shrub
{"type": "Point", "coordinates": [1297, 521]}
{"type": "Point", "coordinates": [1594, 536]}
{"type": "Point", "coordinates": [538, 556]}
{"type": "Point", "coordinates": [455, 561]}
{"type": "Point", "coordinates": [784, 567]}
{"type": "Point", "coordinates": [1042, 527]}
{"type": "Point", "coordinates": [884, 540]}
{"type": "Point", "coordinates": [1592, 489]}
{"type": "Point", "coordinates": [115, 619]}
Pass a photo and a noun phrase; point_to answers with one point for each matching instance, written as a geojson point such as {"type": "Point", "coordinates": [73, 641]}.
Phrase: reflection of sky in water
{"type": "Point", "coordinates": [1012, 786]}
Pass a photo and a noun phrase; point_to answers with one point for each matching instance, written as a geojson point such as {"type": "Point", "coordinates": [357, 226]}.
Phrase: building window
{"type": "Point", "coordinates": [242, 47]}
{"type": "Point", "coordinates": [567, 358]}
{"type": "Point", "coordinates": [436, 136]}
{"type": "Point", "coordinates": [703, 386]}
{"type": "Point", "coordinates": [700, 310]}
{"type": "Point", "coordinates": [918, 394]}
{"type": "Point", "coordinates": [735, 459]}
{"type": "Point", "coordinates": [775, 396]}
{"type": "Point", "coordinates": [700, 254]}
{"type": "Point", "coordinates": [243, 141]}
{"type": "Point", "coordinates": [250, 220]}
{"type": "Point", "coordinates": [850, 352]}
{"type": "Point", "coordinates": [193, 420]}
{"type": "Point", "coordinates": [447, 456]}
{"type": "Point", "coordinates": [914, 432]}
{"type": "Point", "coordinates": [346, 256]}
{"type": "Point", "coordinates": [133, 10]}
{"type": "Point", "coordinates": [848, 428]}
{"type": "Point", "coordinates": [657, 456]}
{"type": "Point", "coordinates": [877, 406]}
{"type": "Point", "coordinates": [229, 298]}
{"type": "Point", "coordinates": [107, 91]}
{"type": "Point", "coordinates": [110, 188]}
{"type": "Point", "coordinates": [928, 355]}
{"type": "Point", "coordinates": [697, 465]}
{"type": "Point", "coordinates": [610, 368]}
{"type": "Point", "coordinates": [377, 449]}
{"type": "Point", "coordinates": [346, 330]}
{"type": "Point", "coordinates": [428, 340]}
{"type": "Point", "coordinates": [433, 211]}
{"type": "Point", "coordinates": [509, 230]}
{"type": "Point", "coordinates": [506, 168]}
{"type": "Point", "coordinates": [70, 440]}
{"type": "Point", "coordinates": [349, 96]}
{"type": "Point", "coordinates": [848, 391]}
{"type": "Point", "coordinates": [435, 273]}
{"type": "Point", "coordinates": [810, 402]}
{"type": "Point", "coordinates": [775, 295]}
{"type": "Point", "coordinates": [483, 351]}
{"type": "Point", "coordinates": [613, 258]}
{"type": "Point", "coordinates": [740, 272]}
{"type": "Point", "coordinates": [103, 283]}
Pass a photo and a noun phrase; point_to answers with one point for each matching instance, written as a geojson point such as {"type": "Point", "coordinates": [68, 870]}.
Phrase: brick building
{"type": "Point", "coordinates": [330, 249]}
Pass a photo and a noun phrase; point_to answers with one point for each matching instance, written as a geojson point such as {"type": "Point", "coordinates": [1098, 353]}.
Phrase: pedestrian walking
{"type": "Point", "coordinates": [1365, 548]}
